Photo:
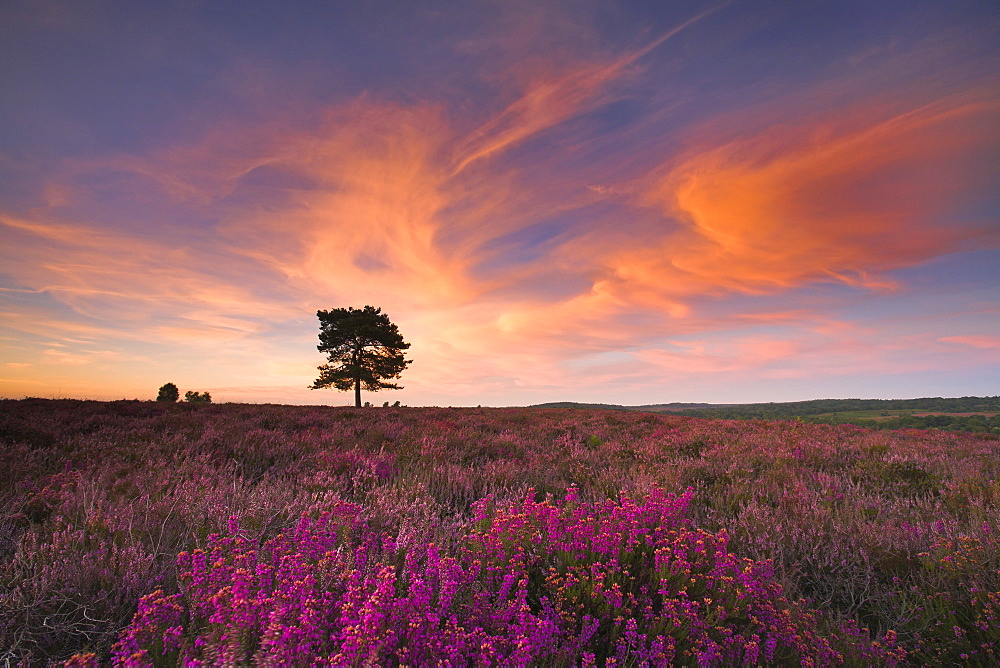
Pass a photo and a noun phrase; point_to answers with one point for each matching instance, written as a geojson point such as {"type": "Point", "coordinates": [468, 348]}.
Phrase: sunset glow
{"type": "Point", "coordinates": [693, 202]}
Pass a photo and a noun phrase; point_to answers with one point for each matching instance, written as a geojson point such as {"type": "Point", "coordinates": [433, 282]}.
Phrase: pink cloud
{"type": "Point", "coordinates": [984, 342]}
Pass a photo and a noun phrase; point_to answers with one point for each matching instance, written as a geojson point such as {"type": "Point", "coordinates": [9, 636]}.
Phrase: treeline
{"type": "Point", "coordinates": [818, 411]}
{"type": "Point", "coordinates": [574, 404]}
{"type": "Point", "coordinates": [972, 423]}
{"type": "Point", "coordinates": [794, 409]}
{"type": "Point", "coordinates": [878, 412]}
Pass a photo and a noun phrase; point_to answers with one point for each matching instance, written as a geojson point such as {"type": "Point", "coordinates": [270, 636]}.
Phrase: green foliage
{"type": "Point", "coordinates": [948, 414]}
{"type": "Point", "coordinates": [692, 448]}
{"type": "Point", "coordinates": [897, 478]}
{"type": "Point", "coordinates": [863, 412]}
{"type": "Point", "coordinates": [954, 610]}
{"type": "Point", "coordinates": [168, 393]}
{"type": "Point", "coordinates": [974, 423]}
{"type": "Point", "coordinates": [197, 397]}
{"type": "Point", "coordinates": [364, 350]}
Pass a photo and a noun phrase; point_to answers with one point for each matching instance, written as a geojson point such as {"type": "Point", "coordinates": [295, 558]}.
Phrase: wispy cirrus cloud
{"type": "Point", "coordinates": [550, 98]}
{"type": "Point", "coordinates": [983, 342]}
{"type": "Point", "coordinates": [510, 262]}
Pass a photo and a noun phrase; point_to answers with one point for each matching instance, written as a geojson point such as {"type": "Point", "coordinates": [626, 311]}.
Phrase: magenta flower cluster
{"type": "Point", "coordinates": [559, 583]}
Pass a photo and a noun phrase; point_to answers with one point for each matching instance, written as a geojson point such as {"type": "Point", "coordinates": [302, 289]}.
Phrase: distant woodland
{"type": "Point", "coordinates": [972, 414]}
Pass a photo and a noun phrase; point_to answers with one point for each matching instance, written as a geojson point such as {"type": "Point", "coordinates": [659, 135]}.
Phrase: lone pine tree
{"type": "Point", "coordinates": [364, 350]}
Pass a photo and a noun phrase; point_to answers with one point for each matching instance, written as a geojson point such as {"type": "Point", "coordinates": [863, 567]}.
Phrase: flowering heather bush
{"type": "Point", "coordinates": [880, 530]}
{"type": "Point", "coordinates": [561, 584]}
{"type": "Point", "coordinates": [955, 610]}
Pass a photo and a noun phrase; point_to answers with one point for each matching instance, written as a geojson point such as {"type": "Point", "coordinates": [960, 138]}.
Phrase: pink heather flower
{"type": "Point", "coordinates": [528, 582]}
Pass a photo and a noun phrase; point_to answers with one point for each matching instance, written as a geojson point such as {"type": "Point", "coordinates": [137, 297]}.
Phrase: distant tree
{"type": "Point", "coordinates": [364, 350]}
{"type": "Point", "coordinates": [168, 393]}
{"type": "Point", "coordinates": [197, 397]}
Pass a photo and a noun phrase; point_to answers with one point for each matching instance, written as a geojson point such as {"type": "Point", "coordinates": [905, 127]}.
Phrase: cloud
{"type": "Point", "coordinates": [982, 342]}
{"type": "Point", "coordinates": [552, 98]}
{"type": "Point", "coordinates": [828, 201]}
{"type": "Point", "coordinates": [508, 261]}
{"type": "Point", "coordinates": [121, 282]}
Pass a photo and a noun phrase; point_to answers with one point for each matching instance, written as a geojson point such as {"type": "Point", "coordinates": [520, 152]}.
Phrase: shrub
{"type": "Point", "coordinates": [565, 583]}
{"type": "Point", "coordinates": [863, 524]}
{"type": "Point", "coordinates": [168, 393]}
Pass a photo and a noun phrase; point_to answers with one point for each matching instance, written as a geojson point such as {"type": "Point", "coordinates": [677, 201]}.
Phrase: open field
{"type": "Point", "coordinates": [291, 534]}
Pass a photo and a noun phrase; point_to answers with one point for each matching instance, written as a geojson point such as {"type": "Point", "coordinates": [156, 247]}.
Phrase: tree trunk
{"type": "Point", "coordinates": [357, 378]}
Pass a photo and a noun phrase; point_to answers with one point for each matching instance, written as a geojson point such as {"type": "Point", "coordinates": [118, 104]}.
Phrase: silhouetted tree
{"type": "Point", "coordinates": [197, 397]}
{"type": "Point", "coordinates": [168, 393]}
{"type": "Point", "coordinates": [364, 350]}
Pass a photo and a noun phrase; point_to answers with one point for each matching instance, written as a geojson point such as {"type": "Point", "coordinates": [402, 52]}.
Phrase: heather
{"type": "Point", "coordinates": [150, 533]}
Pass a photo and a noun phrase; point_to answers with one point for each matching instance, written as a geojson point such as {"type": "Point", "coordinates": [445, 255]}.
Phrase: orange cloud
{"type": "Point", "coordinates": [832, 201]}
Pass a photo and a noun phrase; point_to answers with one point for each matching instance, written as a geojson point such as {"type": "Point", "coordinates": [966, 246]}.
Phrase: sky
{"type": "Point", "coordinates": [628, 202]}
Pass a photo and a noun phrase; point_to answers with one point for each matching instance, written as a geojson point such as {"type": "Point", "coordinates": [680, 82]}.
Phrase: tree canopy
{"type": "Point", "coordinates": [364, 349]}
{"type": "Point", "coordinates": [197, 397]}
{"type": "Point", "coordinates": [168, 393]}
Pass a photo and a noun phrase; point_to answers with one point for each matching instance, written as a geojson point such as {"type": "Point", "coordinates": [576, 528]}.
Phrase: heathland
{"type": "Point", "coordinates": [152, 534]}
